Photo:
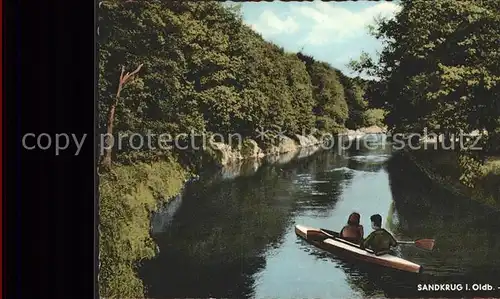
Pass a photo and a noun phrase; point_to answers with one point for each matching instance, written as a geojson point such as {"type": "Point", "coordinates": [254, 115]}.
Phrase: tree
{"type": "Point", "coordinates": [355, 98]}
{"type": "Point", "coordinates": [439, 66]}
{"type": "Point", "coordinates": [374, 117]}
{"type": "Point", "coordinates": [124, 79]}
{"type": "Point", "coordinates": [331, 108]}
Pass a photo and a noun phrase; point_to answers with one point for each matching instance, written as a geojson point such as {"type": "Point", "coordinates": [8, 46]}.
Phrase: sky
{"type": "Point", "coordinates": [334, 32]}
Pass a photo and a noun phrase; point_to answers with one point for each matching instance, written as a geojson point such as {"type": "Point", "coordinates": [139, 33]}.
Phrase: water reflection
{"type": "Point", "coordinates": [363, 279]}
{"type": "Point", "coordinates": [220, 234]}
{"type": "Point", "coordinates": [161, 220]}
{"type": "Point", "coordinates": [233, 236]}
{"type": "Point", "coordinates": [466, 233]}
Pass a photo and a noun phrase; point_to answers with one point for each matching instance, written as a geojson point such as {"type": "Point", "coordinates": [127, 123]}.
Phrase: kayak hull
{"type": "Point", "coordinates": [337, 246]}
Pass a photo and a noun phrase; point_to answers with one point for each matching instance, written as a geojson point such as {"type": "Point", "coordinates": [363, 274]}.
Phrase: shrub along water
{"type": "Point", "coordinates": [128, 195]}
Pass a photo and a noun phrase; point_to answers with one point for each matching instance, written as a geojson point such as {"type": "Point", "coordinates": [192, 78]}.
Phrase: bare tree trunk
{"type": "Point", "coordinates": [106, 162]}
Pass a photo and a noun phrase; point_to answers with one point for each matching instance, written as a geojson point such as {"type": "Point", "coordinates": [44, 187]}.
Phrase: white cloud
{"type": "Point", "coordinates": [270, 24]}
{"type": "Point", "coordinates": [332, 23]}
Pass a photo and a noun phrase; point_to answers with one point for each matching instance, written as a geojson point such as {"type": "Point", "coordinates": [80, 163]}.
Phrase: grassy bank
{"type": "Point", "coordinates": [128, 195]}
{"type": "Point", "coordinates": [444, 167]}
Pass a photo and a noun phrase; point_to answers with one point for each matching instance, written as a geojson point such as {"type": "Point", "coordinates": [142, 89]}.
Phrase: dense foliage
{"type": "Point", "coordinates": [440, 67]}
{"type": "Point", "coordinates": [440, 70]}
{"type": "Point", "coordinates": [204, 70]}
{"type": "Point", "coordinates": [127, 196]}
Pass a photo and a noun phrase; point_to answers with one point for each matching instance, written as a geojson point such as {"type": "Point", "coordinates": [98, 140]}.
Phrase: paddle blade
{"type": "Point", "coordinates": [427, 244]}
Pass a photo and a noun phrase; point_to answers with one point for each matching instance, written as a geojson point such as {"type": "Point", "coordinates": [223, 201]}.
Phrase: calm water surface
{"type": "Point", "coordinates": [231, 234]}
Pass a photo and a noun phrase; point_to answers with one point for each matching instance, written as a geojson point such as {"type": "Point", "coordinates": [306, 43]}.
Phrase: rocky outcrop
{"type": "Point", "coordinates": [224, 154]}
{"type": "Point", "coordinates": [285, 145]}
{"type": "Point", "coordinates": [306, 141]}
{"type": "Point", "coordinates": [373, 130]}
{"type": "Point", "coordinates": [360, 133]}
{"type": "Point", "coordinates": [251, 149]}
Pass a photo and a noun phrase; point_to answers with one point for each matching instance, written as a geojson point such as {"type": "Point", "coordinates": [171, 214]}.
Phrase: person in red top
{"type": "Point", "coordinates": [353, 231]}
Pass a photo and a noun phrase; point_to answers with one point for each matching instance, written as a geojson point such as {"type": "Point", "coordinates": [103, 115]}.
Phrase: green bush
{"type": "Point", "coordinates": [128, 195]}
{"type": "Point", "coordinates": [374, 117]}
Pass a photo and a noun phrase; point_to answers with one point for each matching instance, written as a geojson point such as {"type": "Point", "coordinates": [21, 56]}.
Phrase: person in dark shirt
{"type": "Point", "coordinates": [380, 240]}
{"type": "Point", "coordinates": [353, 231]}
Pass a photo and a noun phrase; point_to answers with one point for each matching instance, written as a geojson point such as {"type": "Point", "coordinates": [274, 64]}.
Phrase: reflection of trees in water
{"type": "Point", "coordinates": [392, 221]}
{"type": "Point", "coordinates": [373, 281]}
{"type": "Point", "coordinates": [466, 233]}
{"type": "Point", "coordinates": [372, 149]}
{"type": "Point", "coordinates": [219, 236]}
{"type": "Point", "coordinates": [371, 160]}
{"type": "Point", "coordinates": [370, 166]}
{"type": "Point", "coordinates": [320, 182]}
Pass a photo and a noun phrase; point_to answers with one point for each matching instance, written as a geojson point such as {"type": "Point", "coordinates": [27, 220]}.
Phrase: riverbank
{"type": "Point", "coordinates": [129, 194]}
{"type": "Point", "coordinates": [444, 168]}
{"type": "Point", "coordinates": [127, 197]}
{"type": "Point", "coordinates": [224, 154]}
{"type": "Point", "coordinates": [362, 132]}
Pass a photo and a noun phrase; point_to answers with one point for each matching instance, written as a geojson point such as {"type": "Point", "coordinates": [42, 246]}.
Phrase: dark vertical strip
{"type": "Point", "coordinates": [96, 177]}
{"type": "Point", "coordinates": [2, 263]}
{"type": "Point", "coordinates": [19, 149]}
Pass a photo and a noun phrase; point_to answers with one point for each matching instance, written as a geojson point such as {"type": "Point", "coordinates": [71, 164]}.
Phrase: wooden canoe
{"type": "Point", "coordinates": [339, 246]}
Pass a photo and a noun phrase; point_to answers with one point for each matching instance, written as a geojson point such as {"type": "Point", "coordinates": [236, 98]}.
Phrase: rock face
{"type": "Point", "coordinates": [313, 140]}
{"type": "Point", "coordinates": [301, 140]}
{"type": "Point", "coordinates": [251, 149]}
{"type": "Point", "coordinates": [373, 130]}
{"type": "Point", "coordinates": [306, 141]}
{"type": "Point", "coordinates": [360, 133]}
{"type": "Point", "coordinates": [301, 145]}
{"type": "Point", "coordinates": [285, 145]}
{"type": "Point", "coordinates": [224, 154]}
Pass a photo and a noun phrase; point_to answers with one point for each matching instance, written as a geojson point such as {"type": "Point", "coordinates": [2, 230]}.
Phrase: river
{"type": "Point", "coordinates": [232, 236]}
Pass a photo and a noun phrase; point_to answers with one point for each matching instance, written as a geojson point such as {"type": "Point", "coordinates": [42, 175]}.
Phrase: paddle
{"type": "Point", "coordinates": [427, 244]}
